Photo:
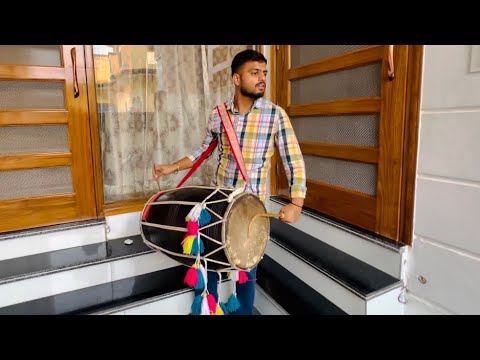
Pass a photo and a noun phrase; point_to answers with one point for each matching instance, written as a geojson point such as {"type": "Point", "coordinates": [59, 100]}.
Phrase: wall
{"type": "Point", "coordinates": [446, 247]}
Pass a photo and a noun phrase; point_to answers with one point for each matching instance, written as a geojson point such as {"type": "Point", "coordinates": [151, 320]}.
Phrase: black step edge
{"type": "Point", "coordinates": [291, 293]}
{"type": "Point", "coordinates": [104, 296]}
{"type": "Point", "coordinates": [361, 278]}
{"type": "Point", "coordinates": [67, 259]}
{"type": "Point", "coordinates": [359, 232]}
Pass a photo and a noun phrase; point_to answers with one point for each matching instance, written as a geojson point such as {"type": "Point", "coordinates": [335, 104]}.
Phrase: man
{"type": "Point", "coordinates": [259, 125]}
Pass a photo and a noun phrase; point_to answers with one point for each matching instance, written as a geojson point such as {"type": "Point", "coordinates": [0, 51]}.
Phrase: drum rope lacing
{"type": "Point", "coordinates": [204, 303]}
{"type": "Point", "coordinates": [203, 205]}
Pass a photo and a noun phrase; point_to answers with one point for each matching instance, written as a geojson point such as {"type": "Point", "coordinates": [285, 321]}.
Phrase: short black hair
{"type": "Point", "coordinates": [245, 56]}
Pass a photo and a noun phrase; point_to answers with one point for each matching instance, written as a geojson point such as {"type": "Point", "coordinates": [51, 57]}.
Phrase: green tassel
{"type": "Point", "coordinates": [224, 308]}
{"type": "Point", "coordinates": [201, 281]}
{"type": "Point", "coordinates": [204, 218]}
{"type": "Point", "coordinates": [194, 250]}
{"type": "Point", "coordinates": [197, 305]}
{"type": "Point", "coordinates": [232, 304]}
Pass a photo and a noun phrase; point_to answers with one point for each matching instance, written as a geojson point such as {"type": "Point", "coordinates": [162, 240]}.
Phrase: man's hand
{"type": "Point", "coordinates": [162, 170]}
{"type": "Point", "coordinates": [290, 213]}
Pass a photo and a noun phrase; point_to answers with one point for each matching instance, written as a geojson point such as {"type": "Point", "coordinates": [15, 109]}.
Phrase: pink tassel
{"type": "Point", "coordinates": [212, 304]}
{"type": "Point", "coordinates": [192, 227]}
{"type": "Point", "coordinates": [191, 278]}
{"type": "Point", "coordinates": [242, 277]}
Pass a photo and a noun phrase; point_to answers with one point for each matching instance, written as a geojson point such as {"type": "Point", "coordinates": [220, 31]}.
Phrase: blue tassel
{"type": "Point", "coordinates": [195, 247]}
{"type": "Point", "coordinates": [233, 304]}
{"type": "Point", "coordinates": [197, 305]}
{"type": "Point", "coordinates": [204, 218]}
{"type": "Point", "coordinates": [201, 281]}
{"type": "Point", "coordinates": [224, 308]}
{"type": "Point", "coordinates": [194, 250]}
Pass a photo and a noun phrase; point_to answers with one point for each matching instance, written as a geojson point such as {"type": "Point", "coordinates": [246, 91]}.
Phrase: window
{"type": "Point", "coordinates": [152, 106]}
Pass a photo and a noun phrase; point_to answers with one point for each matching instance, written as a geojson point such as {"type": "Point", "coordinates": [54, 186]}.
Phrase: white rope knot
{"type": "Point", "coordinates": [235, 193]}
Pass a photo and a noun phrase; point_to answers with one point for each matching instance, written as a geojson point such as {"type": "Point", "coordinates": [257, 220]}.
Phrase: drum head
{"type": "Point", "coordinates": [242, 250]}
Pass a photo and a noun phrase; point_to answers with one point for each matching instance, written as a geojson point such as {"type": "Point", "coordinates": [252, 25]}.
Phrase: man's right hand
{"type": "Point", "coordinates": [162, 170]}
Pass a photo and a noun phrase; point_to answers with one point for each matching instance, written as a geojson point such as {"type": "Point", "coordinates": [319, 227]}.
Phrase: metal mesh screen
{"type": "Point", "coordinates": [35, 182]}
{"type": "Point", "coordinates": [40, 55]}
{"type": "Point", "coordinates": [359, 129]}
{"type": "Point", "coordinates": [304, 54]}
{"type": "Point", "coordinates": [16, 95]}
{"type": "Point", "coordinates": [33, 139]}
{"type": "Point", "coordinates": [350, 175]}
{"type": "Point", "coordinates": [357, 82]}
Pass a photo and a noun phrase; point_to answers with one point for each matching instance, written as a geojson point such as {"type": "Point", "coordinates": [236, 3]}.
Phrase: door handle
{"type": "Point", "coordinates": [391, 68]}
{"type": "Point", "coordinates": [76, 91]}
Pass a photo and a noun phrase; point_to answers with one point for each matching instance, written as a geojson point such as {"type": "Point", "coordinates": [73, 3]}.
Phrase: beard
{"type": "Point", "coordinates": [251, 94]}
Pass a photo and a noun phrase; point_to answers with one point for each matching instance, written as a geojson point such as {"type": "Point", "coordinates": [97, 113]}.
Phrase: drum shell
{"type": "Point", "coordinates": [175, 214]}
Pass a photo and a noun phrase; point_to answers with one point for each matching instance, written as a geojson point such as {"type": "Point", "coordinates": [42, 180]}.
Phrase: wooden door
{"type": "Point", "coordinates": [347, 106]}
{"type": "Point", "coordinates": [46, 174]}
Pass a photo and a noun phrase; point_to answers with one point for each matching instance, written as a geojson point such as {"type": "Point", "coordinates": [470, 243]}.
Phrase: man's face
{"type": "Point", "coordinates": [252, 79]}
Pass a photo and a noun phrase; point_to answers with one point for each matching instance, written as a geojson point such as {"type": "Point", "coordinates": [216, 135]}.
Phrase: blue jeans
{"type": "Point", "coordinates": [245, 292]}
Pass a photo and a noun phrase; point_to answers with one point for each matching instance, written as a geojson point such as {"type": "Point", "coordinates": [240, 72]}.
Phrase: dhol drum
{"type": "Point", "coordinates": [222, 228]}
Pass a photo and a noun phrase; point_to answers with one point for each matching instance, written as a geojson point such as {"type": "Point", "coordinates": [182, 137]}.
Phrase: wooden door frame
{"type": "Point", "coordinates": [410, 139]}
{"type": "Point", "coordinates": [273, 99]}
{"type": "Point", "coordinates": [412, 123]}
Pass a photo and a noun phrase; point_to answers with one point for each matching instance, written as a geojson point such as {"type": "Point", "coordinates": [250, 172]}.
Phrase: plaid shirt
{"type": "Point", "coordinates": [257, 131]}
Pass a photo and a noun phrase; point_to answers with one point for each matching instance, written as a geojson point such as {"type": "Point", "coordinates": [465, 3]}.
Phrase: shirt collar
{"type": "Point", "coordinates": [256, 104]}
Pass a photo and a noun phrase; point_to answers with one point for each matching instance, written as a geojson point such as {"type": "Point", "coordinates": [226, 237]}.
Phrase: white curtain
{"type": "Point", "coordinates": [154, 109]}
{"type": "Point", "coordinates": [181, 110]}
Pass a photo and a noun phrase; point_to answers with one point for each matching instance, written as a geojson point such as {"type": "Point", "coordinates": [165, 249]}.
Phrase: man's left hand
{"type": "Point", "coordinates": [290, 213]}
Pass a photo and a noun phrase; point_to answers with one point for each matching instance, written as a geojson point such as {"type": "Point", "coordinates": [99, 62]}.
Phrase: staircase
{"type": "Point", "coordinates": [314, 267]}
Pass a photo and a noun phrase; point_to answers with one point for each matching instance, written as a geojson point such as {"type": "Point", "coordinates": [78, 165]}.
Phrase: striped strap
{"type": "Point", "coordinates": [233, 140]}
{"type": "Point", "coordinates": [199, 161]}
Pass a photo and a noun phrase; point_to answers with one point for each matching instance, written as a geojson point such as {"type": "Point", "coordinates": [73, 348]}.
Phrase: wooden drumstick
{"type": "Point", "coordinates": [156, 179]}
{"type": "Point", "coordinates": [280, 216]}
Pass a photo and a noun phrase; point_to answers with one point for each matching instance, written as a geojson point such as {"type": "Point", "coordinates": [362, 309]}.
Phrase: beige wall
{"type": "Point", "coordinates": [446, 247]}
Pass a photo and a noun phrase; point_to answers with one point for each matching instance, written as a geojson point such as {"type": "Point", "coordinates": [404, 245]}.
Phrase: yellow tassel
{"type": "Point", "coordinates": [218, 310]}
{"type": "Point", "coordinates": [187, 244]}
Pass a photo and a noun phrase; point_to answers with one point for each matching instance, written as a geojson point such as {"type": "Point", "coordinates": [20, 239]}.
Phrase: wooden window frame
{"type": "Point", "coordinates": [78, 203]}
{"type": "Point", "coordinates": [95, 132]}
{"type": "Point", "coordinates": [392, 208]}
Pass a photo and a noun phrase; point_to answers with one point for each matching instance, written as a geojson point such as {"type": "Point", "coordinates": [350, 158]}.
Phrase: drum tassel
{"type": "Point", "coordinates": [196, 277]}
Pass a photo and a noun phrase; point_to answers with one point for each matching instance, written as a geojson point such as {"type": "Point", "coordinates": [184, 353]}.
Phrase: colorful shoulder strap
{"type": "Point", "coordinates": [232, 139]}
